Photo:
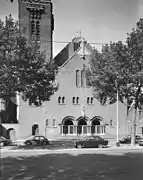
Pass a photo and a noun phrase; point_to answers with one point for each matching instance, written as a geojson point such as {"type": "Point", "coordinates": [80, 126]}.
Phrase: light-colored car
{"type": "Point", "coordinates": [36, 140]}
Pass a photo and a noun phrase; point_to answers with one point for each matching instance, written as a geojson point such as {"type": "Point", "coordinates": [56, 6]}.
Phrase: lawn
{"type": "Point", "coordinates": [74, 167]}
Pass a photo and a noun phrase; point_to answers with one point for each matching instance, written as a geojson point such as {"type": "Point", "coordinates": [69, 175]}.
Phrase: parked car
{"type": "Point", "coordinates": [127, 139]}
{"type": "Point", "coordinates": [91, 142]}
{"type": "Point", "coordinates": [36, 140]}
{"type": "Point", "coordinates": [140, 142]}
{"type": "Point", "coordinates": [4, 141]}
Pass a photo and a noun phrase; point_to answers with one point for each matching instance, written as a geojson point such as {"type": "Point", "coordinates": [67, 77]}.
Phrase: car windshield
{"type": "Point", "coordinates": [29, 138]}
{"type": "Point", "coordinates": [91, 137]}
{"type": "Point", "coordinates": [97, 138]}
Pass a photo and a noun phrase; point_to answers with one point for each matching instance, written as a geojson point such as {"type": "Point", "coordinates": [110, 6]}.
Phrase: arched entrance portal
{"type": "Point", "coordinates": [68, 125]}
{"type": "Point", "coordinates": [82, 126]}
{"type": "Point", "coordinates": [95, 125]}
{"type": "Point", "coordinates": [11, 134]}
{"type": "Point", "coordinates": [35, 129]}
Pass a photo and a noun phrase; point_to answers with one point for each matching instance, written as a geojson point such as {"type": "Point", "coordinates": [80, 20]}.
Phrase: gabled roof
{"type": "Point", "coordinates": [71, 49]}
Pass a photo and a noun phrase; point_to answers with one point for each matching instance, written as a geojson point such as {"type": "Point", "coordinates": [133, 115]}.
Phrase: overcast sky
{"type": "Point", "coordinates": [100, 21]}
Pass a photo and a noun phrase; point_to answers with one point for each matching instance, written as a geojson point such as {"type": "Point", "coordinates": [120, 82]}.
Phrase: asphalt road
{"type": "Point", "coordinates": [72, 164]}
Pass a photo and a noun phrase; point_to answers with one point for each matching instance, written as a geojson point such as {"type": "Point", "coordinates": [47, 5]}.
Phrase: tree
{"type": "Point", "coordinates": [119, 68]}
{"type": "Point", "coordinates": [23, 67]}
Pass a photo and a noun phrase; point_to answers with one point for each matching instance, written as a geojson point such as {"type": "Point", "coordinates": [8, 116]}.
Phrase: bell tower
{"type": "Point", "coordinates": [37, 20]}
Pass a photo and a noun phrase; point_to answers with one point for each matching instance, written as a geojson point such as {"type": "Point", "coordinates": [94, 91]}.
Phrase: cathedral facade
{"type": "Point", "coordinates": [72, 111]}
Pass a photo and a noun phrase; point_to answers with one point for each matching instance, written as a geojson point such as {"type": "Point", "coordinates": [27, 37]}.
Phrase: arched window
{"type": "Point", "coordinates": [77, 78]}
{"type": "Point", "coordinates": [47, 122]}
{"type": "Point", "coordinates": [77, 100]}
{"type": "Point", "coordinates": [63, 100]}
{"type": "Point", "coordinates": [87, 82]}
{"type": "Point", "coordinates": [54, 123]}
{"type": "Point", "coordinates": [91, 100]}
{"type": "Point", "coordinates": [82, 78]}
{"type": "Point", "coordinates": [88, 100]}
{"type": "Point", "coordinates": [111, 122]}
{"type": "Point", "coordinates": [59, 99]}
{"type": "Point", "coordinates": [73, 100]}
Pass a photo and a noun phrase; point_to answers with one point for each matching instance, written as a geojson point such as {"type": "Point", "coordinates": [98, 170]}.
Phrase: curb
{"type": "Point", "coordinates": [71, 149]}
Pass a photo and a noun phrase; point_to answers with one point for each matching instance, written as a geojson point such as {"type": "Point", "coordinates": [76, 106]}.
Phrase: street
{"type": "Point", "coordinates": [72, 164]}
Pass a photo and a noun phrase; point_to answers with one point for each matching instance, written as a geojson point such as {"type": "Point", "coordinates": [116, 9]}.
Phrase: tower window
{"type": "Point", "coordinates": [32, 28]}
{"type": "Point", "coordinates": [38, 30]}
{"type": "Point", "coordinates": [35, 24]}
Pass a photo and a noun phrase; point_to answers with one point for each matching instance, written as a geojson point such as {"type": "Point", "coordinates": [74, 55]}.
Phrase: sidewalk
{"type": "Point", "coordinates": [113, 147]}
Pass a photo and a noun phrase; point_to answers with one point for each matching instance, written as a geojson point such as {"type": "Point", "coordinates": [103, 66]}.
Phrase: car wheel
{"type": "Point", "coordinates": [28, 143]}
{"type": "Point", "coordinates": [45, 143]}
{"type": "Point", "coordinates": [100, 145]}
{"type": "Point", "coordinates": [79, 146]}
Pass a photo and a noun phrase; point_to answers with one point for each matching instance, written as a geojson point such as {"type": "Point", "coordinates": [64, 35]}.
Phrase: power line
{"type": "Point", "coordinates": [66, 42]}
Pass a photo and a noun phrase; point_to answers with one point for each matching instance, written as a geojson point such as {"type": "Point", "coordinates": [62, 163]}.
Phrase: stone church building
{"type": "Point", "coordinates": [72, 111]}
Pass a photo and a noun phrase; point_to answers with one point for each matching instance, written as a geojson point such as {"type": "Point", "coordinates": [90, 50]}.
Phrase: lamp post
{"type": "Point", "coordinates": [117, 118]}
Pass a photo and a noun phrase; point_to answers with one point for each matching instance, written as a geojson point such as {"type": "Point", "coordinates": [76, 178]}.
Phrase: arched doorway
{"type": "Point", "coordinates": [11, 134]}
{"type": "Point", "coordinates": [95, 125]}
{"type": "Point", "coordinates": [82, 126]}
{"type": "Point", "coordinates": [67, 125]}
{"type": "Point", "coordinates": [35, 129]}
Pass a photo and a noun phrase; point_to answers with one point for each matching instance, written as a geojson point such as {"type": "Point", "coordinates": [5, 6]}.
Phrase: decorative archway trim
{"type": "Point", "coordinates": [82, 117]}
{"type": "Point", "coordinates": [97, 117]}
{"type": "Point", "coordinates": [68, 117]}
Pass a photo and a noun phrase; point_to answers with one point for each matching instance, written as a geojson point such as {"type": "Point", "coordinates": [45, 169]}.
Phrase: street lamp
{"type": "Point", "coordinates": [117, 138]}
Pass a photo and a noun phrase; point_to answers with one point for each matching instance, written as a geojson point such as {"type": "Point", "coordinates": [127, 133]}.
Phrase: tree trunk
{"type": "Point", "coordinates": [133, 140]}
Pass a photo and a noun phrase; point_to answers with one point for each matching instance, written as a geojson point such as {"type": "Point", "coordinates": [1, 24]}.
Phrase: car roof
{"type": "Point", "coordinates": [1, 137]}
{"type": "Point", "coordinates": [92, 136]}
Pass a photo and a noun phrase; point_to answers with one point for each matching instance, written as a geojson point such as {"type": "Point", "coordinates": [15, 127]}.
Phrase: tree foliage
{"type": "Point", "coordinates": [119, 67]}
{"type": "Point", "coordinates": [23, 67]}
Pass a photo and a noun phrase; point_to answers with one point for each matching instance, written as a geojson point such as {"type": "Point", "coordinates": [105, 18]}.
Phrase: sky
{"type": "Point", "coordinates": [100, 21]}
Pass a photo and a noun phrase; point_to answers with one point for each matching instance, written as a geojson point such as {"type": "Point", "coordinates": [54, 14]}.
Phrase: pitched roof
{"type": "Point", "coordinates": [70, 49]}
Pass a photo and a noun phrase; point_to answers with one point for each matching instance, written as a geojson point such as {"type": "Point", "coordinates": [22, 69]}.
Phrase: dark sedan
{"type": "Point", "coordinates": [91, 142]}
{"type": "Point", "coordinates": [4, 141]}
{"type": "Point", "coordinates": [36, 140]}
